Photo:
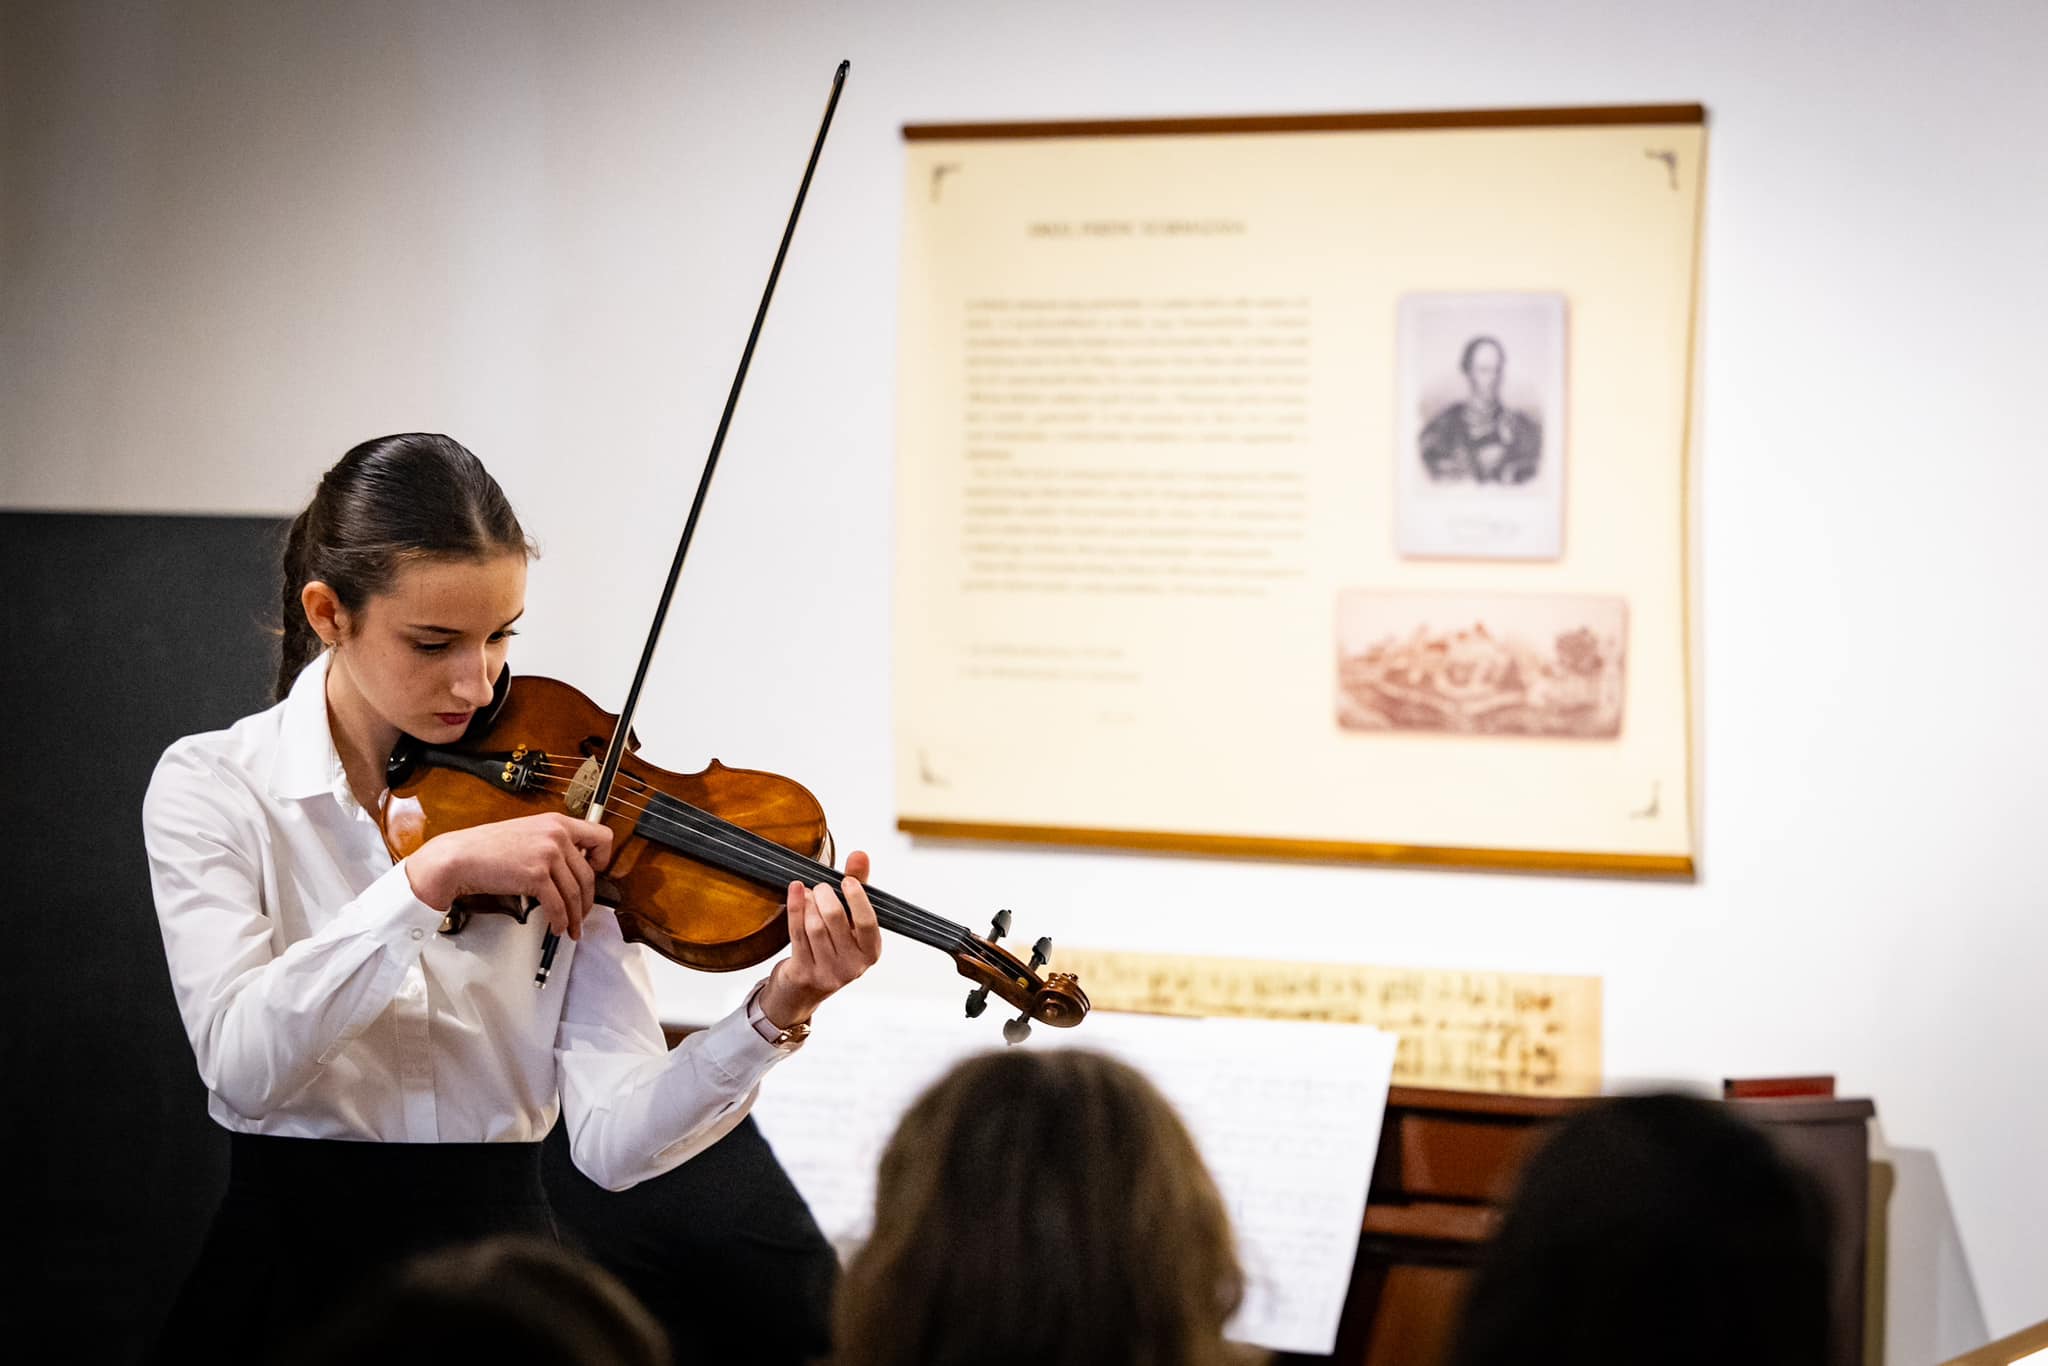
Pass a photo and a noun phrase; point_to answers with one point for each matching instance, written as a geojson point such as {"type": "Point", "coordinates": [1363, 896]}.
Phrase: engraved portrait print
{"type": "Point", "coordinates": [1480, 438]}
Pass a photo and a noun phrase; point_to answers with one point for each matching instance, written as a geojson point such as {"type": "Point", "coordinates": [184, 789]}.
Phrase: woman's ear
{"type": "Point", "coordinates": [324, 612]}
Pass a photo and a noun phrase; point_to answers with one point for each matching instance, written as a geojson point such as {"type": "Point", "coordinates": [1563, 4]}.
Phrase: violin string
{"type": "Point", "coordinates": [763, 855]}
{"type": "Point", "coordinates": [720, 832]}
{"type": "Point", "coordinates": [784, 863]}
{"type": "Point", "coordinates": [767, 855]}
{"type": "Point", "coordinates": [770, 858]}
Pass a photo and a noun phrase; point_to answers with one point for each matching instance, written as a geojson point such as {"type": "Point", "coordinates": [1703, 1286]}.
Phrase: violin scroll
{"type": "Point", "coordinates": [1055, 998]}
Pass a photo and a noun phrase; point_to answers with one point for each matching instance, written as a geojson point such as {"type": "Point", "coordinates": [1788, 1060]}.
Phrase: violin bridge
{"type": "Point", "coordinates": [582, 788]}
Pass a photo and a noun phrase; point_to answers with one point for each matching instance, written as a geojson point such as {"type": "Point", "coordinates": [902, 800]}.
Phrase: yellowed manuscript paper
{"type": "Point", "coordinates": [1513, 1032]}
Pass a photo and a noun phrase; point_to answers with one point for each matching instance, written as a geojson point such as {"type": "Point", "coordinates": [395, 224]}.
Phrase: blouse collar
{"type": "Point", "coordinates": [307, 763]}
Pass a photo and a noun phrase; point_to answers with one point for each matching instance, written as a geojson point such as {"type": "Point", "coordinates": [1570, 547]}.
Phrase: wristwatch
{"type": "Point", "coordinates": [789, 1039]}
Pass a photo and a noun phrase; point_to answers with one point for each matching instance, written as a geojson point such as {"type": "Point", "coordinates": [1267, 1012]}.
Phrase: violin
{"type": "Point", "coordinates": [700, 861]}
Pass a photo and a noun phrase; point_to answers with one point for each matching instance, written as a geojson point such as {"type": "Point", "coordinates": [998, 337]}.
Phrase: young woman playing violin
{"type": "Point", "coordinates": [387, 1086]}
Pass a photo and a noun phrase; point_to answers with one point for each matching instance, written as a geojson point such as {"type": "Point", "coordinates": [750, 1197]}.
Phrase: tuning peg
{"type": "Point", "coordinates": [977, 999]}
{"type": "Point", "coordinates": [1041, 953]}
{"type": "Point", "coordinates": [1019, 1029]}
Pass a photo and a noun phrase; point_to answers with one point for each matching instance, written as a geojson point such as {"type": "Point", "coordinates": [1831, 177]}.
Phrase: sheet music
{"type": "Point", "coordinates": [1515, 1032]}
{"type": "Point", "coordinates": [1286, 1114]}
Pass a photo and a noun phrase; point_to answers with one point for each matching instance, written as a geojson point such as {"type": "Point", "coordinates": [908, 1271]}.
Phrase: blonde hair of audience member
{"type": "Point", "coordinates": [1041, 1207]}
{"type": "Point", "coordinates": [512, 1300]}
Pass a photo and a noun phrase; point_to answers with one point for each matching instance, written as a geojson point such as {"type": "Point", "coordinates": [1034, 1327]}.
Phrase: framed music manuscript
{"type": "Point", "coordinates": [1302, 486]}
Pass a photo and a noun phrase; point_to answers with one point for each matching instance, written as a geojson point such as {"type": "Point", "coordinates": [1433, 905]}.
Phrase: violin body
{"type": "Point", "coordinates": [701, 862]}
{"type": "Point", "coordinates": [527, 752]}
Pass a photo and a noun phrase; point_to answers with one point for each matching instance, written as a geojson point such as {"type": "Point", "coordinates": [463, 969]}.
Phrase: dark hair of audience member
{"type": "Point", "coordinates": [1655, 1228]}
{"type": "Point", "coordinates": [1044, 1208]}
{"type": "Point", "coordinates": [510, 1301]}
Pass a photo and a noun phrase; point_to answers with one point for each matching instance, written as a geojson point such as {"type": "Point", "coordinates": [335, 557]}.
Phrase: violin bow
{"type": "Point", "coordinates": [615, 752]}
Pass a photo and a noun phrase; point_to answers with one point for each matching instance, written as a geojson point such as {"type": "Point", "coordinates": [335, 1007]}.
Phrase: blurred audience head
{"type": "Point", "coordinates": [509, 1301]}
{"type": "Point", "coordinates": [1655, 1228]}
{"type": "Point", "coordinates": [1044, 1207]}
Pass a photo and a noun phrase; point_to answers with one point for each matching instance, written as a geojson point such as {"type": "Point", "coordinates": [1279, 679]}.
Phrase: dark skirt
{"type": "Point", "coordinates": [308, 1223]}
{"type": "Point", "coordinates": [722, 1250]}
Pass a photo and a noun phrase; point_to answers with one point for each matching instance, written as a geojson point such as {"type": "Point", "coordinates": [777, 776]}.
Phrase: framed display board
{"type": "Point", "coordinates": [1302, 486]}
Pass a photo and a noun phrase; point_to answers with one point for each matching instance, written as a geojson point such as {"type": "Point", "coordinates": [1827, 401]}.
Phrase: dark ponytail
{"type": "Point", "coordinates": [386, 503]}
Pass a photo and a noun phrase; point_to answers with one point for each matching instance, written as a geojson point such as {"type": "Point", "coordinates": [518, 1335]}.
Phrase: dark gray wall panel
{"type": "Point", "coordinates": [121, 634]}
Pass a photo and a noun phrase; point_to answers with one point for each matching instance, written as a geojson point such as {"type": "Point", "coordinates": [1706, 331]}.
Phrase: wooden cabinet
{"type": "Point", "coordinates": [1447, 1164]}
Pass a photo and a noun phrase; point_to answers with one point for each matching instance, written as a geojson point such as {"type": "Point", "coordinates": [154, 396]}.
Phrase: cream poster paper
{"type": "Point", "coordinates": [1150, 431]}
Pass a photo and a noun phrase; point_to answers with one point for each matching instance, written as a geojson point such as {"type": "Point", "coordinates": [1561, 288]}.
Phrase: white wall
{"type": "Point", "coordinates": [239, 237]}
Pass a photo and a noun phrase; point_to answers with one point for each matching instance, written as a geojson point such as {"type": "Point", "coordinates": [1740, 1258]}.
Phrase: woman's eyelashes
{"type": "Point", "coordinates": [434, 647]}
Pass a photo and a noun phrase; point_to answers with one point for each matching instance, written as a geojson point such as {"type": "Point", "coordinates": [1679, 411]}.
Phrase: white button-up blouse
{"type": "Point", "coordinates": [322, 1003]}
